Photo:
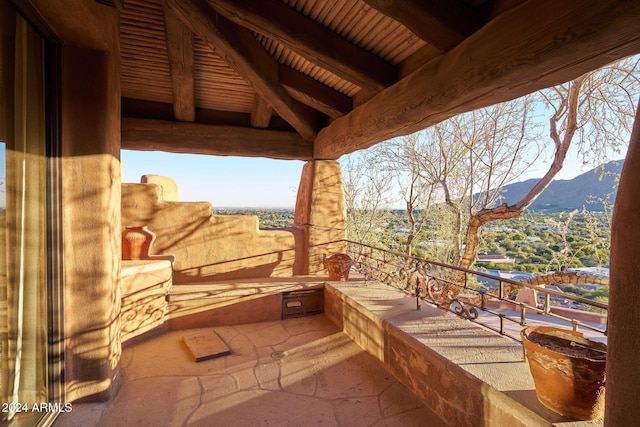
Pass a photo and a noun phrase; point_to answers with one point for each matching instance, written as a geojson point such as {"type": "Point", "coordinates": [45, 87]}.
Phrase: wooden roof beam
{"type": "Point", "coordinates": [313, 93]}
{"type": "Point", "coordinates": [239, 48]}
{"type": "Point", "coordinates": [196, 138]}
{"type": "Point", "coordinates": [180, 53]}
{"type": "Point", "coordinates": [442, 23]}
{"type": "Point", "coordinates": [311, 40]}
{"type": "Point", "coordinates": [536, 45]}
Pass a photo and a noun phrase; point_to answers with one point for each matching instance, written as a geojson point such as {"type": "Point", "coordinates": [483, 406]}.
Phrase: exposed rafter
{"type": "Point", "coordinates": [314, 94]}
{"type": "Point", "coordinates": [239, 48]}
{"type": "Point", "coordinates": [525, 49]}
{"type": "Point", "coordinates": [417, 60]}
{"type": "Point", "coordinates": [112, 3]}
{"type": "Point", "coordinates": [177, 137]}
{"type": "Point", "coordinates": [180, 52]}
{"type": "Point", "coordinates": [441, 23]}
{"type": "Point", "coordinates": [310, 40]}
{"type": "Point", "coordinates": [306, 69]}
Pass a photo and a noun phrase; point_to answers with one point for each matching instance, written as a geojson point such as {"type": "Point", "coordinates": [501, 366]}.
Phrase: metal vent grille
{"type": "Point", "coordinates": [302, 303]}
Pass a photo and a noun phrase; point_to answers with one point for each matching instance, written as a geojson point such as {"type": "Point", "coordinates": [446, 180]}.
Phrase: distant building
{"type": "Point", "coordinates": [511, 275]}
{"type": "Point", "coordinates": [495, 258]}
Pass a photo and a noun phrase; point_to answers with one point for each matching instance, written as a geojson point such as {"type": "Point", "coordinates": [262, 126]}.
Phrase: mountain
{"type": "Point", "coordinates": [573, 193]}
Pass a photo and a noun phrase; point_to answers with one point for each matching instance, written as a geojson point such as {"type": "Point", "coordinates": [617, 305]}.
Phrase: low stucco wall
{"type": "Point", "coordinates": [210, 247]}
{"type": "Point", "coordinates": [469, 376]}
{"type": "Point", "coordinates": [144, 289]}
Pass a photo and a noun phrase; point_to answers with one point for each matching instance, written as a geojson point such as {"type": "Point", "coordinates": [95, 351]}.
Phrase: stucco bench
{"type": "Point", "coordinates": [194, 305]}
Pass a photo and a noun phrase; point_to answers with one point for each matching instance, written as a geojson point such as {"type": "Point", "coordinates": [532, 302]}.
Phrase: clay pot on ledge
{"type": "Point", "coordinates": [568, 371]}
{"type": "Point", "coordinates": [136, 242]}
{"type": "Point", "coordinates": [338, 266]}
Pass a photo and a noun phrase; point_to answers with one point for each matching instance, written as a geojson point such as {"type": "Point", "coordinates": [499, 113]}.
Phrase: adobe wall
{"type": "Point", "coordinates": [90, 194]}
{"type": "Point", "coordinates": [209, 247]}
{"type": "Point", "coordinates": [91, 201]}
{"type": "Point", "coordinates": [321, 212]}
{"type": "Point", "coordinates": [623, 355]}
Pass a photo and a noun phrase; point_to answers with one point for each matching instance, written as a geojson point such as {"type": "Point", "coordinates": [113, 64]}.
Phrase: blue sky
{"type": "Point", "coordinates": [238, 181]}
{"type": "Point", "coordinates": [252, 182]}
{"type": "Point", "coordinates": [223, 181]}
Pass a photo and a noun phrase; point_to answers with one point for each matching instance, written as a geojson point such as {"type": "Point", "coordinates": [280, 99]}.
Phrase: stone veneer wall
{"type": "Point", "coordinates": [210, 247]}
{"type": "Point", "coordinates": [467, 375]}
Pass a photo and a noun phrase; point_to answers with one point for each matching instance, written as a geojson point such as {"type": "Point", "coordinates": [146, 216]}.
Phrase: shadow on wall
{"type": "Point", "coordinates": [259, 265]}
{"type": "Point", "coordinates": [210, 247]}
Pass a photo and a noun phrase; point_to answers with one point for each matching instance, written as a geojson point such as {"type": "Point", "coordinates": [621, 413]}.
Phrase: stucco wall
{"type": "Point", "coordinates": [90, 192]}
{"type": "Point", "coordinates": [91, 197]}
{"type": "Point", "coordinates": [86, 118]}
{"type": "Point", "coordinates": [321, 212]}
{"type": "Point", "coordinates": [210, 247]}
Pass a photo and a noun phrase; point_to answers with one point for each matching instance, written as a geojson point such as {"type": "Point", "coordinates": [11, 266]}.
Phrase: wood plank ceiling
{"type": "Point", "coordinates": [304, 79]}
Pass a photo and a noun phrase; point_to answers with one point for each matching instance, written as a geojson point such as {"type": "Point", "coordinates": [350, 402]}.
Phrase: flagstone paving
{"type": "Point", "coordinates": [296, 372]}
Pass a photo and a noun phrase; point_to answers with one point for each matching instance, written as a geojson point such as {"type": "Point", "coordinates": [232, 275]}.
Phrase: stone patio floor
{"type": "Point", "coordinates": [295, 372]}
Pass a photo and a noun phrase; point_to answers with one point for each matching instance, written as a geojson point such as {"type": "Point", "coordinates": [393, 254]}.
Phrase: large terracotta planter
{"type": "Point", "coordinates": [136, 242]}
{"type": "Point", "coordinates": [568, 371]}
{"type": "Point", "coordinates": [338, 266]}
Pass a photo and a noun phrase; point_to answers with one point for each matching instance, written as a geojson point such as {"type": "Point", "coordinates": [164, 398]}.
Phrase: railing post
{"type": "Point", "coordinates": [547, 303]}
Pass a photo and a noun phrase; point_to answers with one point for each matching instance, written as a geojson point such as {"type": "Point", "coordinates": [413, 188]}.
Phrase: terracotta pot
{"type": "Point", "coordinates": [136, 242]}
{"type": "Point", "coordinates": [338, 266]}
{"type": "Point", "coordinates": [568, 371]}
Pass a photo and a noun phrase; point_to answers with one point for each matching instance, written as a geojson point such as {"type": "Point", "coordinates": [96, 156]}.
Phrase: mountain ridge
{"type": "Point", "coordinates": [585, 190]}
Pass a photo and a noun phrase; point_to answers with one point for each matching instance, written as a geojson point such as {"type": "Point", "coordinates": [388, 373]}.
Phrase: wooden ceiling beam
{"type": "Point", "coordinates": [417, 60]}
{"type": "Point", "coordinates": [313, 93]}
{"type": "Point", "coordinates": [443, 24]}
{"type": "Point", "coordinates": [536, 45]}
{"type": "Point", "coordinates": [240, 49]}
{"type": "Point", "coordinates": [311, 40]}
{"type": "Point", "coordinates": [498, 7]}
{"type": "Point", "coordinates": [261, 114]}
{"type": "Point", "coordinates": [180, 53]}
{"type": "Point", "coordinates": [196, 138]}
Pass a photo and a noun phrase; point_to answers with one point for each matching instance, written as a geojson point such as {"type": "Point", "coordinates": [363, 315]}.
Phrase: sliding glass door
{"type": "Point", "coordinates": [26, 303]}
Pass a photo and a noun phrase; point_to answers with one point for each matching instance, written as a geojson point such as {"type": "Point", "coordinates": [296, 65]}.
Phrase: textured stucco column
{"type": "Point", "coordinates": [321, 212]}
{"type": "Point", "coordinates": [623, 359]}
{"type": "Point", "coordinates": [91, 176]}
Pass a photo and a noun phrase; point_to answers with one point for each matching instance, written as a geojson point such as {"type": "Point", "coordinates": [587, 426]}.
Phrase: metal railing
{"type": "Point", "coordinates": [455, 289]}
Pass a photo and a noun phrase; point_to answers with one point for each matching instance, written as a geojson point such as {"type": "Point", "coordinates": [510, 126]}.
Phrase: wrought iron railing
{"type": "Point", "coordinates": [455, 289]}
